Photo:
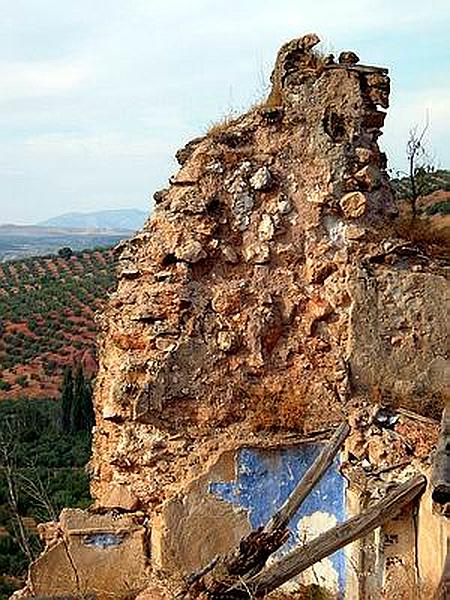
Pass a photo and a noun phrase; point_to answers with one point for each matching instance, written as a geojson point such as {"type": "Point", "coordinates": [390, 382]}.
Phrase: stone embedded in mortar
{"type": "Point", "coordinates": [262, 179]}
{"type": "Point", "coordinates": [354, 204]}
{"type": "Point", "coordinates": [191, 251]}
{"type": "Point", "coordinates": [185, 153]}
{"type": "Point", "coordinates": [257, 252]}
{"type": "Point", "coordinates": [242, 208]}
{"type": "Point", "coordinates": [190, 200]}
{"type": "Point", "coordinates": [369, 177]}
{"type": "Point", "coordinates": [266, 228]}
{"type": "Point", "coordinates": [348, 58]}
{"type": "Point", "coordinates": [378, 88]}
{"type": "Point", "coordinates": [284, 206]}
{"type": "Point", "coordinates": [364, 155]}
{"type": "Point", "coordinates": [229, 253]}
{"type": "Point", "coordinates": [226, 340]}
{"type": "Point", "coordinates": [226, 299]}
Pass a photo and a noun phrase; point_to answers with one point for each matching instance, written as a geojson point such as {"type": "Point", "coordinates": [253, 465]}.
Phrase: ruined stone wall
{"type": "Point", "coordinates": [87, 555]}
{"type": "Point", "coordinates": [259, 295]}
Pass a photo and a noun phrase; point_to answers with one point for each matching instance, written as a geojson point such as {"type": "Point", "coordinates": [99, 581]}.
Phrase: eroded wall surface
{"type": "Point", "coordinates": [241, 493]}
{"type": "Point", "coordinates": [194, 526]}
{"type": "Point", "coordinates": [433, 535]}
{"type": "Point", "coordinates": [264, 480]}
{"type": "Point", "coordinates": [404, 558]}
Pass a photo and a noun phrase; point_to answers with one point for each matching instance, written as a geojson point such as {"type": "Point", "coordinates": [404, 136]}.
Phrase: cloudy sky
{"type": "Point", "coordinates": [96, 95]}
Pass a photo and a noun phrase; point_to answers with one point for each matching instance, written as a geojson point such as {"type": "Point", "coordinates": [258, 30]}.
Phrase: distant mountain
{"type": "Point", "coordinates": [121, 219]}
{"type": "Point", "coordinates": [20, 241]}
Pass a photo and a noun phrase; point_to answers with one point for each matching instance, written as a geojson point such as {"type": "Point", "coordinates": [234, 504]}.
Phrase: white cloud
{"type": "Point", "coordinates": [31, 79]}
{"type": "Point", "coordinates": [95, 146]}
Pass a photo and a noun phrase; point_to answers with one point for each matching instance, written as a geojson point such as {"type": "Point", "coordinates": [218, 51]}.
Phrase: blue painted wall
{"type": "Point", "coordinates": [264, 480]}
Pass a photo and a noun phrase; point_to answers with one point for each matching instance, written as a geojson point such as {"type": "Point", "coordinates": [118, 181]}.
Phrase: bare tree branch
{"type": "Point", "coordinates": [22, 536]}
{"type": "Point", "coordinates": [416, 155]}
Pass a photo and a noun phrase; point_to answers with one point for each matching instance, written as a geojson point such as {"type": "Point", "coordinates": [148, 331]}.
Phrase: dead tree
{"type": "Point", "coordinates": [6, 453]}
{"type": "Point", "coordinates": [419, 166]}
{"type": "Point", "coordinates": [239, 575]}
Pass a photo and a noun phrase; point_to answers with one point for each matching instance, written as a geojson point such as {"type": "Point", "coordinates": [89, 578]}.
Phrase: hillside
{"type": "Point", "coordinates": [47, 308]}
{"type": "Point", "coordinates": [21, 241]}
{"type": "Point", "coordinates": [130, 219]}
{"type": "Point", "coordinates": [434, 187]}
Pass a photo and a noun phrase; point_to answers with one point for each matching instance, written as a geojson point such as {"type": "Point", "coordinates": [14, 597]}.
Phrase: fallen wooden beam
{"type": "Point", "coordinates": [254, 550]}
{"type": "Point", "coordinates": [329, 542]}
{"type": "Point", "coordinates": [309, 480]}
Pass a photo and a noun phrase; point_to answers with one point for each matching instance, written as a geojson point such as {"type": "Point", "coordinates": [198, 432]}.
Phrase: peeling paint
{"type": "Point", "coordinates": [325, 572]}
{"type": "Point", "coordinates": [265, 479]}
{"type": "Point", "coordinates": [103, 541]}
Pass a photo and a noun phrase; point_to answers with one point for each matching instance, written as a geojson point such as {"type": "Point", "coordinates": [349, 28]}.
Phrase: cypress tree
{"type": "Point", "coordinates": [82, 409]}
{"type": "Point", "coordinates": [67, 400]}
{"type": "Point", "coordinates": [77, 406]}
{"type": "Point", "coordinates": [87, 406]}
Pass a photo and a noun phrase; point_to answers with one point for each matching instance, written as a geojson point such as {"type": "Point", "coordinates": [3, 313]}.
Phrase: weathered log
{"type": "Point", "coordinates": [329, 542]}
{"type": "Point", "coordinates": [308, 481]}
{"type": "Point", "coordinates": [254, 550]}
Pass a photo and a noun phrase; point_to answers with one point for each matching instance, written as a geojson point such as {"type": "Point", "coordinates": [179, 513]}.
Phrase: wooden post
{"type": "Point", "coordinates": [329, 542]}
{"type": "Point", "coordinates": [254, 550]}
{"type": "Point", "coordinates": [309, 480]}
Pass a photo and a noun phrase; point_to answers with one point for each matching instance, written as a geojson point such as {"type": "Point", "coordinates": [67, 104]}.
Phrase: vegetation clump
{"type": "Point", "coordinates": [47, 310]}
{"type": "Point", "coordinates": [440, 208]}
{"type": "Point", "coordinates": [42, 469]}
{"type": "Point", "coordinates": [427, 179]}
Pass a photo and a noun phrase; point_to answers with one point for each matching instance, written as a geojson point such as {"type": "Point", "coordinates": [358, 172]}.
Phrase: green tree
{"type": "Point", "coordinates": [4, 385]}
{"type": "Point", "coordinates": [77, 406]}
{"type": "Point", "coordinates": [22, 380]}
{"type": "Point", "coordinates": [82, 409]}
{"type": "Point", "coordinates": [88, 407]}
{"type": "Point", "coordinates": [67, 400]}
{"type": "Point", "coordinates": [65, 252]}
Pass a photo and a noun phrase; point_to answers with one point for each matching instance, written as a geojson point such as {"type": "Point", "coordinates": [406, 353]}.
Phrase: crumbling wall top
{"type": "Point", "coordinates": [242, 304]}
